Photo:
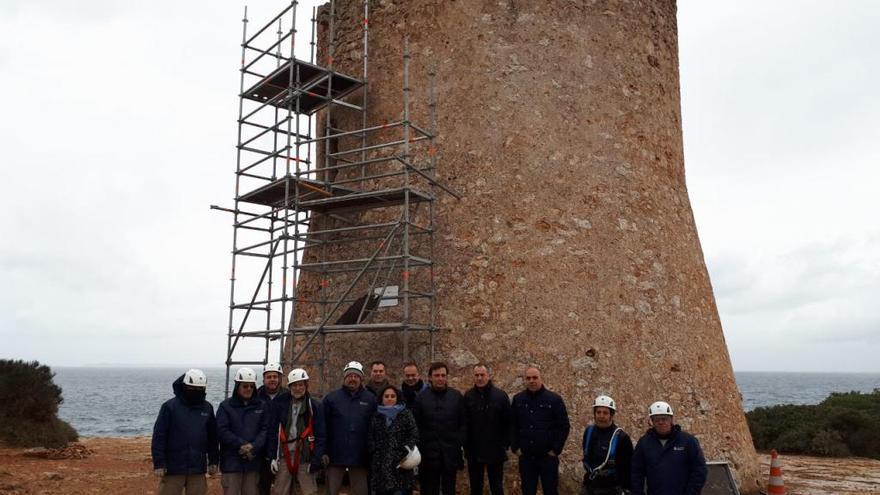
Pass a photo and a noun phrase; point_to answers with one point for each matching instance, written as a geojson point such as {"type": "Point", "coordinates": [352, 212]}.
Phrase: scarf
{"type": "Point", "coordinates": [390, 412]}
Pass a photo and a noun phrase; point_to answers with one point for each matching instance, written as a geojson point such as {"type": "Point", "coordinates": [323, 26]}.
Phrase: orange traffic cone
{"type": "Point", "coordinates": [775, 486]}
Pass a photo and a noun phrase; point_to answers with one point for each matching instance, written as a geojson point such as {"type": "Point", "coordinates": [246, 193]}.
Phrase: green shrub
{"type": "Point", "coordinates": [844, 424]}
{"type": "Point", "coordinates": [29, 403]}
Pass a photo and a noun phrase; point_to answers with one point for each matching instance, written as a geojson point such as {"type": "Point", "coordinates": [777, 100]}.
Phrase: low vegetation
{"type": "Point", "coordinates": [29, 401]}
{"type": "Point", "coordinates": [844, 424]}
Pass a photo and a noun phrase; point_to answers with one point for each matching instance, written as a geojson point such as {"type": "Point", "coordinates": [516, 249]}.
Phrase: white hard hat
{"type": "Point", "coordinates": [273, 367]}
{"type": "Point", "coordinates": [605, 401]}
{"type": "Point", "coordinates": [246, 375]}
{"type": "Point", "coordinates": [297, 375]}
{"type": "Point", "coordinates": [353, 366]}
{"type": "Point", "coordinates": [413, 458]}
{"type": "Point", "coordinates": [195, 378]}
{"type": "Point", "coordinates": [660, 408]}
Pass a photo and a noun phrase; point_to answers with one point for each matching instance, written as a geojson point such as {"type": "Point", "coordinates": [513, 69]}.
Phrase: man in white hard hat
{"type": "Point", "coordinates": [267, 392]}
{"type": "Point", "coordinates": [293, 438]}
{"type": "Point", "coordinates": [184, 445]}
{"type": "Point", "coordinates": [607, 452]}
{"type": "Point", "coordinates": [345, 424]}
{"type": "Point", "coordinates": [242, 423]}
{"type": "Point", "coordinates": [667, 460]}
{"type": "Point", "coordinates": [271, 387]}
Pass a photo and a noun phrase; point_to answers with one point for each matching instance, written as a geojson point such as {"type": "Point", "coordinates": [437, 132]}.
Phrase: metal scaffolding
{"type": "Point", "coordinates": [337, 212]}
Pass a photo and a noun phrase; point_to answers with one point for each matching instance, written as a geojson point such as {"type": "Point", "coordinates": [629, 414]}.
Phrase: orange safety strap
{"type": "Point", "coordinates": [307, 436]}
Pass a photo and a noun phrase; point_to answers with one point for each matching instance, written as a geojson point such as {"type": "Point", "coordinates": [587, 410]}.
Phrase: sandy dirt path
{"type": "Point", "coordinates": [122, 466]}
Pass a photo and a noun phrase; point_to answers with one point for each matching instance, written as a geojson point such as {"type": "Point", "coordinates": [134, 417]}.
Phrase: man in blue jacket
{"type": "Point", "coordinates": [184, 444]}
{"type": "Point", "coordinates": [667, 460]}
{"type": "Point", "coordinates": [539, 426]}
{"type": "Point", "coordinates": [242, 424]}
{"type": "Point", "coordinates": [344, 426]}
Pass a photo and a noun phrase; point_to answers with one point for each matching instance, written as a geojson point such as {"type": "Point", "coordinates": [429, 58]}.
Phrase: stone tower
{"type": "Point", "coordinates": [574, 245]}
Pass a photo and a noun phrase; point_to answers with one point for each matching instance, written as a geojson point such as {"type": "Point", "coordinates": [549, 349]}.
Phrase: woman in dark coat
{"type": "Point", "coordinates": [392, 430]}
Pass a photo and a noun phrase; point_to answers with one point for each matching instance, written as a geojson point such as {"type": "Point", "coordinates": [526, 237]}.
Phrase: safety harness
{"type": "Point", "coordinates": [612, 448]}
{"type": "Point", "coordinates": [307, 435]}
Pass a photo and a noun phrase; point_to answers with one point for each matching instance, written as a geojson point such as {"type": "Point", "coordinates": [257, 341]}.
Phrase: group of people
{"type": "Point", "coordinates": [388, 440]}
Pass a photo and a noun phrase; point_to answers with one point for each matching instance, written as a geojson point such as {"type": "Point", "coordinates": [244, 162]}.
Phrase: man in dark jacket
{"type": "Point", "coordinates": [184, 444]}
{"type": "Point", "coordinates": [412, 384]}
{"type": "Point", "coordinates": [267, 392]}
{"type": "Point", "coordinates": [487, 410]}
{"type": "Point", "coordinates": [345, 426]}
{"type": "Point", "coordinates": [242, 424]}
{"type": "Point", "coordinates": [439, 412]}
{"type": "Point", "coordinates": [539, 425]}
{"type": "Point", "coordinates": [667, 460]}
{"type": "Point", "coordinates": [293, 437]}
{"type": "Point", "coordinates": [378, 378]}
{"type": "Point", "coordinates": [607, 452]}
{"type": "Point", "coordinates": [271, 382]}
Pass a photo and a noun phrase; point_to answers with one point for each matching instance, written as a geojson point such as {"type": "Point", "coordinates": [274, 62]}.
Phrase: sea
{"type": "Point", "coordinates": [110, 401]}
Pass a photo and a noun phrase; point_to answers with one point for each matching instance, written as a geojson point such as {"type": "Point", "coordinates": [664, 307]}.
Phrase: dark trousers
{"type": "Point", "coordinates": [434, 481]}
{"type": "Point", "coordinates": [264, 486]}
{"type": "Point", "coordinates": [495, 472]}
{"type": "Point", "coordinates": [545, 468]}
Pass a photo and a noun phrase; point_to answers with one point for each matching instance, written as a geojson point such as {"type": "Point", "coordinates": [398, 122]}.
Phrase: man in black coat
{"type": "Point", "coordinates": [270, 389]}
{"type": "Point", "coordinates": [378, 379]}
{"type": "Point", "coordinates": [487, 410]}
{"type": "Point", "coordinates": [539, 426]}
{"type": "Point", "coordinates": [439, 412]}
{"type": "Point", "coordinates": [412, 384]}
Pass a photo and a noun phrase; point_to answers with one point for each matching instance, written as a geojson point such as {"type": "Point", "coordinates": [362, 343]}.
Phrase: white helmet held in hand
{"type": "Point", "coordinates": [660, 408]}
{"type": "Point", "coordinates": [413, 458]}
{"type": "Point", "coordinates": [297, 375]}
{"type": "Point", "coordinates": [195, 378]}
{"type": "Point", "coordinates": [273, 367]}
{"type": "Point", "coordinates": [604, 401]}
{"type": "Point", "coordinates": [245, 375]}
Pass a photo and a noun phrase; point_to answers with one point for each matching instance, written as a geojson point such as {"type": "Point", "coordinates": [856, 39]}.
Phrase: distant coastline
{"type": "Point", "coordinates": [121, 401]}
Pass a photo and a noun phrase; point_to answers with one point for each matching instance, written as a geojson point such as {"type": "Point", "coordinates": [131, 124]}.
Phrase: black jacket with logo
{"type": "Point", "coordinates": [676, 468]}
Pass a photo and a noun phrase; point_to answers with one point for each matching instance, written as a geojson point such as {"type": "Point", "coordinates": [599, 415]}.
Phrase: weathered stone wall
{"type": "Point", "coordinates": [574, 245]}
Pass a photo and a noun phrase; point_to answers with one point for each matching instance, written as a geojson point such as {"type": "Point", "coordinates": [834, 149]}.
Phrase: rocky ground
{"type": "Point", "coordinates": [122, 465]}
{"type": "Point", "coordinates": [115, 465]}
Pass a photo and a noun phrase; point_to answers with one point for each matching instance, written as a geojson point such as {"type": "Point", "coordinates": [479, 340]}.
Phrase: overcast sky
{"type": "Point", "coordinates": [118, 131]}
